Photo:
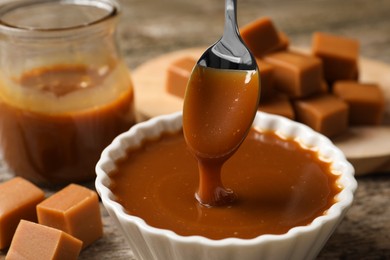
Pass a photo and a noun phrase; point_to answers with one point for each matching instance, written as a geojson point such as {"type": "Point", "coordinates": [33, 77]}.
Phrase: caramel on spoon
{"type": "Point", "coordinates": [220, 104]}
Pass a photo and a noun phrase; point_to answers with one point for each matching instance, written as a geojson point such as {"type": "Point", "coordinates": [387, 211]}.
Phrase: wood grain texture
{"type": "Point", "coordinates": [148, 29]}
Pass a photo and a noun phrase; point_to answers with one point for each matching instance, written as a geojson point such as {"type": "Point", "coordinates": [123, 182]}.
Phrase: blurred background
{"type": "Point", "coordinates": [152, 27]}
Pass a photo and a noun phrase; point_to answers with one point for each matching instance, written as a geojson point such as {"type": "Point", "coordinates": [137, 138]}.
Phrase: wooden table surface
{"type": "Point", "coordinates": [150, 28]}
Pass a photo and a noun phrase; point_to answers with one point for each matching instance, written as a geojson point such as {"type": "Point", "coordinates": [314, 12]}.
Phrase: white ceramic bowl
{"type": "Point", "coordinates": [302, 242]}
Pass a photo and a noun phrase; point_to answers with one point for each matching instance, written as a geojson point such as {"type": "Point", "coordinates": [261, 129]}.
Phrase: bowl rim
{"type": "Point", "coordinates": [344, 201]}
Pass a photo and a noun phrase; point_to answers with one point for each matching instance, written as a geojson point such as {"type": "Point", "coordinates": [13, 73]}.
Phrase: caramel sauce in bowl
{"type": "Point", "coordinates": [150, 242]}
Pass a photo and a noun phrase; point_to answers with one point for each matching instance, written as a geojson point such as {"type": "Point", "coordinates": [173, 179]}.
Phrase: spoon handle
{"type": "Point", "coordinates": [231, 43]}
{"type": "Point", "coordinates": [231, 27]}
{"type": "Point", "coordinates": [230, 52]}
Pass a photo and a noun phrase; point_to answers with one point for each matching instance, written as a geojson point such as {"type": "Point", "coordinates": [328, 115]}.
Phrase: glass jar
{"type": "Point", "coordinates": [65, 91]}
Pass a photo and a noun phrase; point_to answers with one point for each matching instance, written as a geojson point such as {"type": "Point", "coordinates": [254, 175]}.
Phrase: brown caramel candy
{"type": "Point", "coordinates": [178, 74]}
{"type": "Point", "coordinates": [296, 74]}
{"type": "Point", "coordinates": [284, 42]}
{"type": "Point", "coordinates": [262, 37]}
{"type": "Point", "coordinates": [366, 101]}
{"type": "Point", "coordinates": [34, 241]}
{"type": "Point", "coordinates": [338, 54]}
{"type": "Point", "coordinates": [324, 113]}
{"type": "Point", "coordinates": [324, 87]}
{"type": "Point", "coordinates": [18, 199]}
{"type": "Point", "coordinates": [74, 210]}
{"type": "Point", "coordinates": [266, 79]}
{"type": "Point", "coordinates": [280, 105]}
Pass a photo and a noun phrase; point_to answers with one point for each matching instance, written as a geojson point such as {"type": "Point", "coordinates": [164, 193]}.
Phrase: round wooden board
{"type": "Point", "coordinates": [149, 79]}
{"type": "Point", "coordinates": [367, 148]}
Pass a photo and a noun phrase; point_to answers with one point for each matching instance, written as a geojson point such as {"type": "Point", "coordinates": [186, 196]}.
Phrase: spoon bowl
{"type": "Point", "coordinates": [230, 52]}
{"type": "Point", "coordinates": [222, 94]}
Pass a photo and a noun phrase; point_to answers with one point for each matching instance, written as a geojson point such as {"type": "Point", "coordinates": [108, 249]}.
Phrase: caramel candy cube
{"type": "Point", "coordinates": [34, 241]}
{"type": "Point", "coordinates": [266, 71]}
{"type": "Point", "coordinates": [280, 105]}
{"type": "Point", "coordinates": [18, 200]}
{"type": "Point", "coordinates": [298, 75]}
{"type": "Point", "coordinates": [338, 54]}
{"type": "Point", "coordinates": [284, 42]}
{"type": "Point", "coordinates": [178, 74]}
{"type": "Point", "coordinates": [324, 113]}
{"type": "Point", "coordinates": [262, 37]}
{"type": "Point", "coordinates": [74, 210]}
{"type": "Point", "coordinates": [366, 101]}
{"type": "Point", "coordinates": [324, 87]}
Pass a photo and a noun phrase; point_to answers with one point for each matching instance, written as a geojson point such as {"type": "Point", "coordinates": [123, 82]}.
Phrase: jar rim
{"type": "Point", "coordinates": [111, 6]}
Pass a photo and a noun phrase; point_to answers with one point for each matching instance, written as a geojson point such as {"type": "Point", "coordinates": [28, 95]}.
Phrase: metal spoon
{"type": "Point", "coordinates": [220, 104]}
{"type": "Point", "coordinates": [229, 52]}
